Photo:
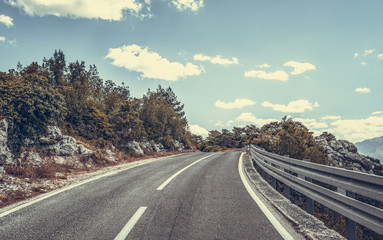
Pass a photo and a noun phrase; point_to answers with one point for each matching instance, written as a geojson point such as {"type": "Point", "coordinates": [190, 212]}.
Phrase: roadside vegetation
{"type": "Point", "coordinates": [286, 137]}
{"type": "Point", "coordinates": [98, 113]}
{"type": "Point", "coordinates": [76, 99]}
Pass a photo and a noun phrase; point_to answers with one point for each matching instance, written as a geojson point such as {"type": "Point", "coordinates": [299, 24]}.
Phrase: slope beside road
{"type": "Point", "coordinates": [203, 198]}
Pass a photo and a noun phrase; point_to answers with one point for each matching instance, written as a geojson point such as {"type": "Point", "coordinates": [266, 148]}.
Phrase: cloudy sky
{"type": "Point", "coordinates": [231, 63]}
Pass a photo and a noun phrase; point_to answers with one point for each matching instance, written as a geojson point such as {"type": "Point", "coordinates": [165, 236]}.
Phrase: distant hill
{"type": "Point", "coordinates": [371, 147]}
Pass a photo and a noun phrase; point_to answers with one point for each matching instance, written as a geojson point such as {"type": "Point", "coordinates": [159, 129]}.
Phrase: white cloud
{"type": "Point", "coordinates": [238, 103]}
{"type": "Point", "coordinates": [380, 56]}
{"type": "Point", "coordinates": [229, 123]}
{"type": "Point", "coordinates": [363, 90]}
{"type": "Point", "coordinates": [265, 65]}
{"type": "Point", "coordinates": [6, 20]}
{"type": "Point", "coordinates": [299, 68]}
{"type": "Point", "coordinates": [2, 39]}
{"type": "Point", "coordinates": [330, 117]}
{"type": "Point", "coordinates": [363, 64]}
{"type": "Point", "coordinates": [216, 60]}
{"type": "Point", "coordinates": [377, 113]}
{"type": "Point", "coordinates": [356, 55]}
{"type": "Point", "coordinates": [219, 124]}
{"type": "Point", "coordinates": [222, 124]}
{"type": "Point", "coordinates": [197, 130]}
{"type": "Point", "coordinates": [249, 117]}
{"type": "Point", "coordinates": [277, 75]}
{"type": "Point", "coordinates": [201, 57]}
{"type": "Point", "coordinates": [102, 9]}
{"type": "Point", "coordinates": [193, 5]}
{"type": "Point", "coordinates": [150, 64]}
{"type": "Point", "coordinates": [356, 130]}
{"type": "Point", "coordinates": [311, 123]}
{"type": "Point", "coordinates": [298, 106]}
{"type": "Point", "coordinates": [368, 52]}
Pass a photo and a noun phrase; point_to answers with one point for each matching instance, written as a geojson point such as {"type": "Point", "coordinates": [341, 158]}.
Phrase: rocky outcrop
{"type": "Point", "coordinates": [141, 148]}
{"type": "Point", "coordinates": [57, 144]}
{"type": "Point", "coordinates": [134, 147]}
{"type": "Point", "coordinates": [178, 146]}
{"type": "Point", "coordinates": [53, 144]}
{"type": "Point", "coordinates": [344, 154]}
{"type": "Point", "coordinates": [158, 147]}
{"type": "Point", "coordinates": [5, 153]}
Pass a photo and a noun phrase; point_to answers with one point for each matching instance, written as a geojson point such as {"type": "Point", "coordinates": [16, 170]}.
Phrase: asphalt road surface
{"type": "Point", "coordinates": [188, 196]}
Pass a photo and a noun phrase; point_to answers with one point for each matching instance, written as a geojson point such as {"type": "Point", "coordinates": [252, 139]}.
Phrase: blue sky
{"type": "Point", "coordinates": [231, 63]}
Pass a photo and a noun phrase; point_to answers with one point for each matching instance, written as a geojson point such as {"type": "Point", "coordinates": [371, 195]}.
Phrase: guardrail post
{"type": "Point", "coordinates": [274, 182]}
{"type": "Point", "coordinates": [309, 202]}
{"type": "Point", "coordinates": [350, 224]}
{"type": "Point", "coordinates": [286, 189]}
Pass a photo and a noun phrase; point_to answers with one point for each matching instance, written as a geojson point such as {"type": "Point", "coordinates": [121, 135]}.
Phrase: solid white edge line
{"type": "Point", "coordinates": [129, 226]}
{"type": "Point", "coordinates": [277, 225]}
{"type": "Point", "coordinates": [163, 185]}
{"type": "Point", "coordinates": [55, 192]}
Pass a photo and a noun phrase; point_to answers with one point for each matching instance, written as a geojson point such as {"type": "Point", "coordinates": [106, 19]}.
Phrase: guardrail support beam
{"type": "Point", "coordinates": [274, 182]}
{"type": "Point", "coordinates": [287, 191]}
{"type": "Point", "coordinates": [350, 224]}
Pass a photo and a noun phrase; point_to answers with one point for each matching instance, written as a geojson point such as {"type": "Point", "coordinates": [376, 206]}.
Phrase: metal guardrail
{"type": "Point", "coordinates": [298, 175]}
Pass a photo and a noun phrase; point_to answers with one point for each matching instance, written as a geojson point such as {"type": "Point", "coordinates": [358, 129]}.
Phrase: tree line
{"type": "Point", "coordinates": [286, 137]}
{"type": "Point", "coordinates": [82, 104]}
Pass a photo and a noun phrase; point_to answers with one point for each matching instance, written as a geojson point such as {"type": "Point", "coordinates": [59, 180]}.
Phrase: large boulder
{"type": "Point", "coordinates": [82, 150]}
{"type": "Point", "coordinates": [350, 147]}
{"type": "Point", "coordinates": [344, 154]}
{"type": "Point", "coordinates": [6, 156]}
{"type": "Point", "coordinates": [67, 146]}
{"type": "Point", "coordinates": [110, 156]}
{"type": "Point", "coordinates": [53, 135]}
{"type": "Point", "coordinates": [147, 146]}
{"type": "Point", "coordinates": [158, 147]}
{"type": "Point", "coordinates": [135, 148]}
{"type": "Point", "coordinates": [178, 146]}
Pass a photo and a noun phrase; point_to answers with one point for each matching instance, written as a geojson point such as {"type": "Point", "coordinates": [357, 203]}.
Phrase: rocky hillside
{"type": "Point", "coordinates": [344, 154]}
{"type": "Point", "coordinates": [372, 147]}
{"type": "Point", "coordinates": [60, 148]}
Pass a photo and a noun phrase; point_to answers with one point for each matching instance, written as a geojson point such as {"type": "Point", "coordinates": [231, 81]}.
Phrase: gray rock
{"type": "Point", "coordinates": [6, 156]}
{"type": "Point", "coordinates": [135, 148]}
{"type": "Point", "coordinates": [178, 146]}
{"type": "Point", "coordinates": [62, 145]}
{"type": "Point", "coordinates": [66, 147]}
{"type": "Point", "coordinates": [350, 147]}
{"type": "Point", "coordinates": [109, 155]}
{"type": "Point", "coordinates": [31, 158]}
{"type": "Point", "coordinates": [344, 154]}
{"type": "Point", "coordinates": [336, 145]}
{"type": "Point", "coordinates": [147, 146]}
{"type": "Point", "coordinates": [53, 135]}
{"type": "Point", "coordinates": [82, 150]}
{"type": "Point", "coordinates": [1, 172]}
{"type": "Point", "coordinates": [158, 147]}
